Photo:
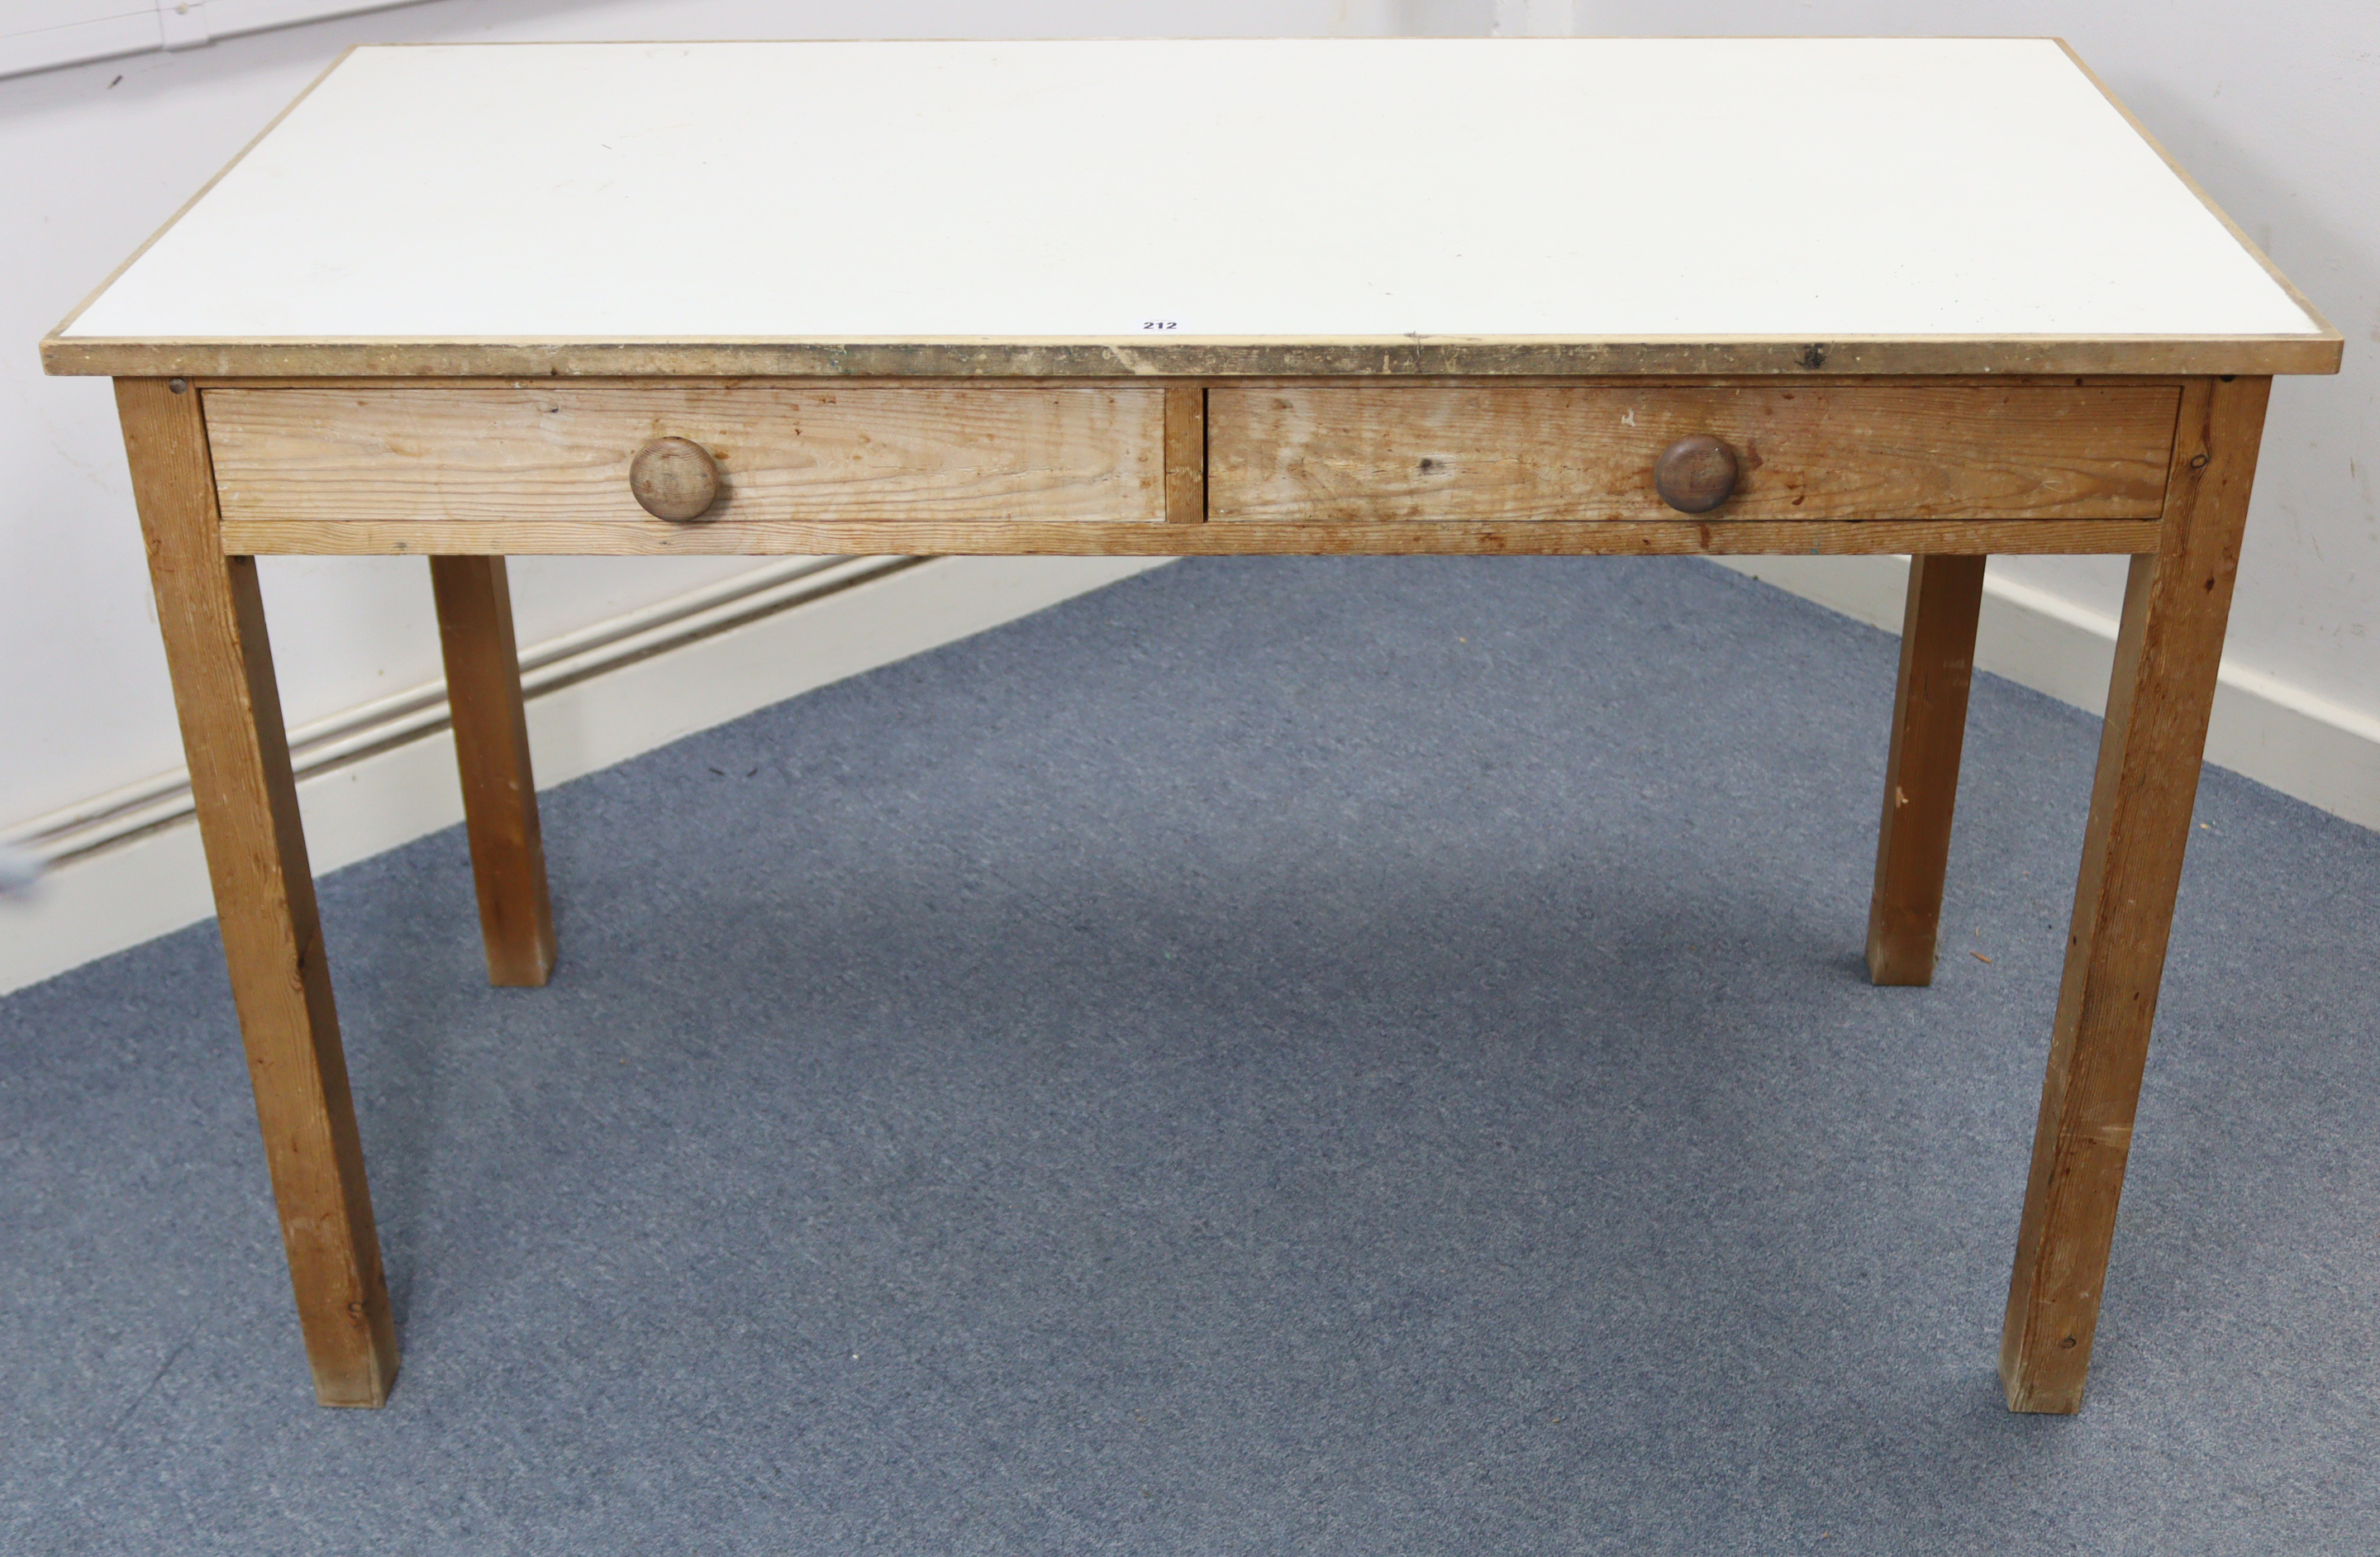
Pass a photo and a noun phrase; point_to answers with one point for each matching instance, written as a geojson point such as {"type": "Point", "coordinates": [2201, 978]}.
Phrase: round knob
{"type": "Point", "coordinates": [675, 479]}
{"type": "Point", "coordinates": [1695, 474]}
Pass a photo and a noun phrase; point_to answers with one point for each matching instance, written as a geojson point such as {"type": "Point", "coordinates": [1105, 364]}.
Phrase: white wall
{"type": "Point", "coordinates": [2276, 108]}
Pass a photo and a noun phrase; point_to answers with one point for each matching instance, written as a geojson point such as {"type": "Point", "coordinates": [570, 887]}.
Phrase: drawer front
{"type": "Point", "coordinates": [1390, 453]}
{"type": "Point", "coordinates": [473, 454]}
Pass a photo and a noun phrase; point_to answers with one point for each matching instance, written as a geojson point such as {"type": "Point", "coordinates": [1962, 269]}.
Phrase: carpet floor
{"type": "Point", "coordinates": [1348, 1056]}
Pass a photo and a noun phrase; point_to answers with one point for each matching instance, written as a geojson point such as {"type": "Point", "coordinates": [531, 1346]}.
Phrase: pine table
{"type": "Point", "coordinates": [1700, 297]}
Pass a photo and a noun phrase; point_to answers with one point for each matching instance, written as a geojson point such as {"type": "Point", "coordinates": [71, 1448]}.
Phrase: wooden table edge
{"type": "Point", "coordinates": [1204, 356]}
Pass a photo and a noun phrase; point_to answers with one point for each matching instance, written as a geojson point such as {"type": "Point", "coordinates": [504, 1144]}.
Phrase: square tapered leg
{"type": "Point", "coordinates": [1921, 780]}
{"type": "Point", "coordinates": [483, 687]}
{"type": "Point", "coordinates": [2176, 603]}
{"type": "Point", "coordinates": [213, 619]}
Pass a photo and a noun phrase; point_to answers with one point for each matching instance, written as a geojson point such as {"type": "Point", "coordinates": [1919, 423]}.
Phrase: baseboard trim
{"type": "Point", "coordinates": [2263, 727]}
{"type": "Point", "coordinates": [127, 867]}
{"type": "Point", "coordinates": [350, 735]}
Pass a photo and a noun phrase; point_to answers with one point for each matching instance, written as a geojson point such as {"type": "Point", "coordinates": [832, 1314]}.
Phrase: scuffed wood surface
{"type": "Point", "coordinates": [1921, 772]}
{"type": "Point", "coordinates": [560, 454]}
{"type": "Point", "coordinates": [1186, 455]}
{"type": "Point", "coordinates": [1394, 356]}
{"type": "Point", "coordinates": [2159, 698]}
{"type": "Point", "coordinates": [1394, 454]}
{"type": "Point", "coordinates": [648, 537]}
{"type": "Point", "coordinates": [483, 693]}
{"type": "Point", "coordinates": [212, 615]}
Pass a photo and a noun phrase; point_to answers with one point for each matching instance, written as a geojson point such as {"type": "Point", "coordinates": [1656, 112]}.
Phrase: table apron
{"type": "Point", "coordinates": [1136, 467]}
{"type": "Point", "coordinates": [654, 537]}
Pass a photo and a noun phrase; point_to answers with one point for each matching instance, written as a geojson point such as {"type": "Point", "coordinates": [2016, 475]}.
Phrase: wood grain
{"type": "Point", "coordinates": [1186, 455]}
{"type": "Point", "coordinates": [1393, 453]}
{"type": "Point", "coordinates": [2166, 653]}
{"type": "Point", "coordinates": [549, 453]}
{"type": "Point", "coordinates": [1921, 773]}
{"type": "Point", "coordinates": [646, 537]}
{"type": "Point", "coordinates": [673, 479]}
{"type": "Point", "coordinates": [1303, 381]}
{"type": "Point", "coordinates": [483, 692]}
{"type": "Point", "coordinates": [1697, 474]}
{"type": "Point", "coordinates": [212, 620]}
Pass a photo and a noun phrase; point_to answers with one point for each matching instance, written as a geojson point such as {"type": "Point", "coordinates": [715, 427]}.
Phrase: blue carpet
{"type": "Point", "coordinates": [1302, 1056]}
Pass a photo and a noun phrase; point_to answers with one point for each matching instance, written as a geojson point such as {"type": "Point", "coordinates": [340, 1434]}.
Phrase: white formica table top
{"type": "Point", "coordinates": [1906, 204]}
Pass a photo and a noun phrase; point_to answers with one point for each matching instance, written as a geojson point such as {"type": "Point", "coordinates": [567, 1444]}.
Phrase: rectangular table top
{"type": "Point", "coordinates": [1208, 207]}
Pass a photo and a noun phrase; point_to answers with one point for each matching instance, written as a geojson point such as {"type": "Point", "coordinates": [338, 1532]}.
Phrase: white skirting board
{"type": "Point", "coordinates": [599, 698]}
{"type": "Point", "coordinates": [617, 689]}
{"type": "Point", "coordinates": [2265, 728]}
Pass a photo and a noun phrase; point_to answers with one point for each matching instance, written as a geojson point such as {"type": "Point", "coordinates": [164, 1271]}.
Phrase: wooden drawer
{"type": "Point", "coordinates": [481, 454]}
{"type": "Point", "coordinates": [1493, 455]}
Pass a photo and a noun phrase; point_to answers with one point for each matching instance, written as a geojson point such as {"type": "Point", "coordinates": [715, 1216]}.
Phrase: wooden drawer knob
{"type": "Point", "coordinates": [675, 479]}
{"type": "Point", "coordinates": [1695, 474]}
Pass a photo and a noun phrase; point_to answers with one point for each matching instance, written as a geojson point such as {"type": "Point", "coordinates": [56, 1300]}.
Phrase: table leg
{"type": "Point", "coordinates": [1921, 776]}
{"type": "Point", "coordinates": [2166, 654]}
{"type": "Point", "coordinates": [475, 627]}
{"type": "Point", "coordinates": [212, 620]}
